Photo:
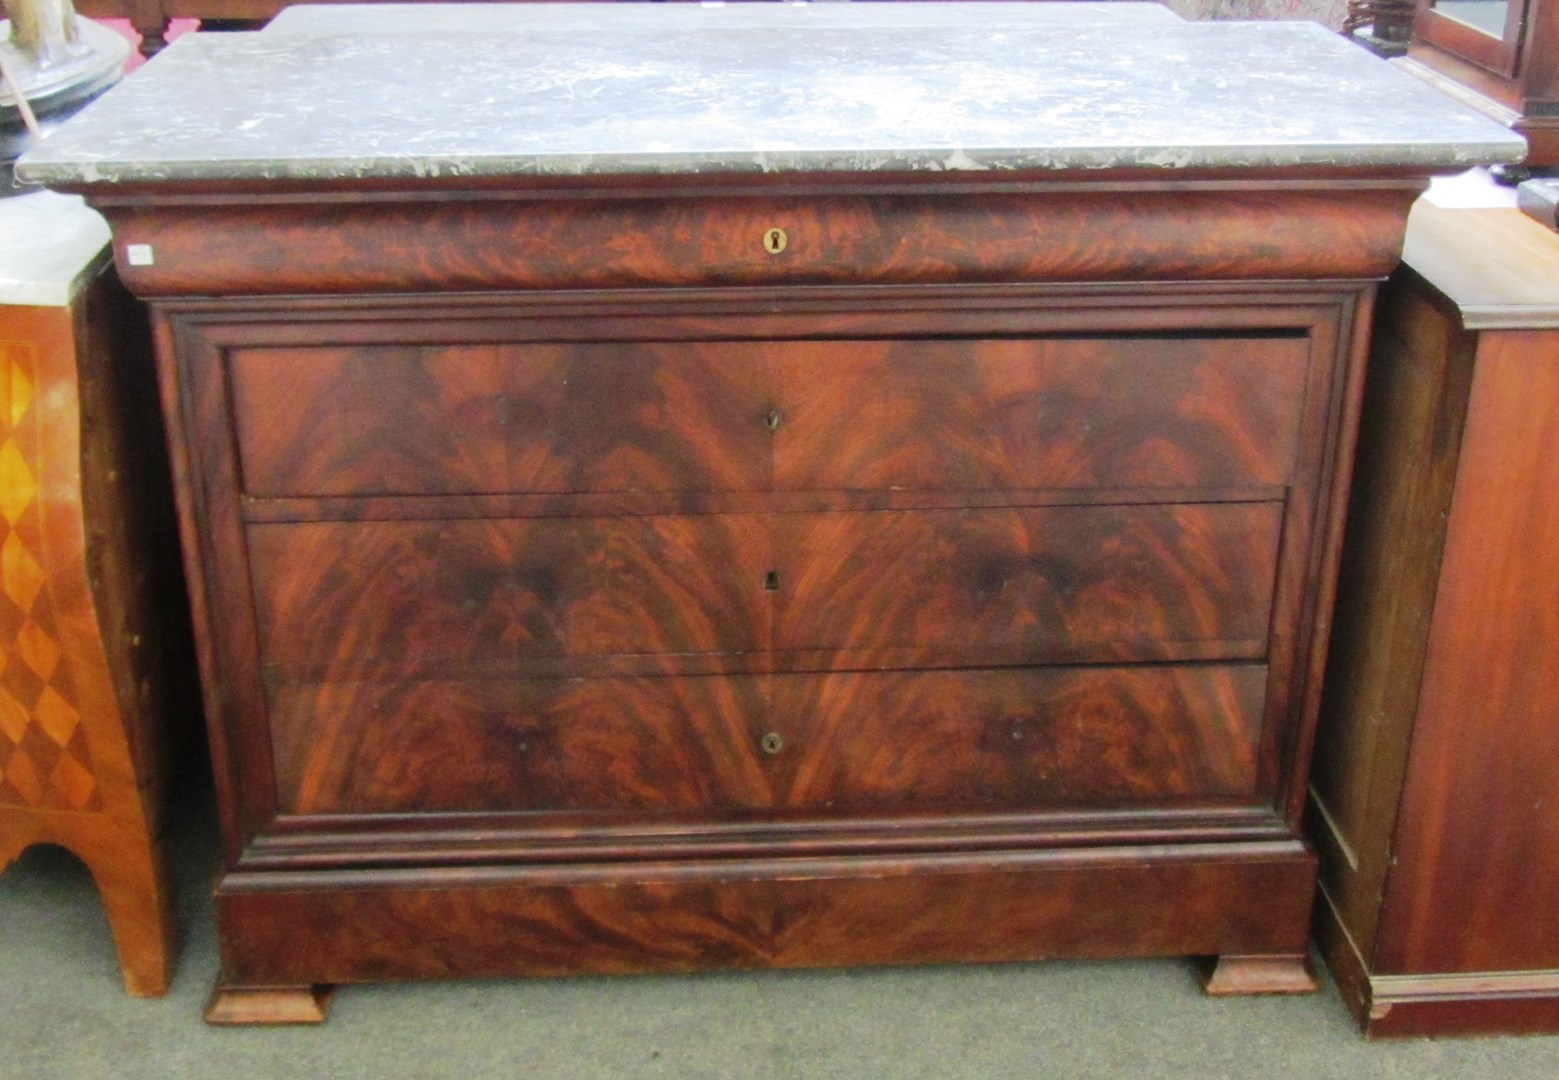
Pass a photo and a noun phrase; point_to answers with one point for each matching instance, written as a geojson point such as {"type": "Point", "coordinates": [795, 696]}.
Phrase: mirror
{"type": "Point", "coordinates": [1486, 16]}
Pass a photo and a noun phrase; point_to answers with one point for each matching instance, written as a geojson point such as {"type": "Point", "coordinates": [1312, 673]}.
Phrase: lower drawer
{"type": "Point", "coordinates": [853, 741]}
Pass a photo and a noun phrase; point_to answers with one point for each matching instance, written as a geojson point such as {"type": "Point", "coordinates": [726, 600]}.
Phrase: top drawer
{"type": "Point", "coordinates": [708, 416]}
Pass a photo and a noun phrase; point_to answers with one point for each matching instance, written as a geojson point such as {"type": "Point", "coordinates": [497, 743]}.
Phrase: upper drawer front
{"type": "Point", "coordinates": [788, 416]}
{"type": "Point", "coordinates": [1049, 413]}
{"type": "Point", "coordinates": [1005, 738]}
{"type": "Point", "coordinates": [807, 591]}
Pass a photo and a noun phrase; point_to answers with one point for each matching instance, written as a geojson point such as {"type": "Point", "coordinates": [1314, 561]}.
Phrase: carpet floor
{"type": "Point", "coordinates": [63, 1014]}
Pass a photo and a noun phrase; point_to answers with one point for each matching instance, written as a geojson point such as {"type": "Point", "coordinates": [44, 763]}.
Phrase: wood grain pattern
{"type": "Point", "coordinates": [503, 597]}
{"type": "Point", "coordinates": [1038, 585]}
{"type": "Point", "coordinates": [1415, 406]}
{"type": "Point", "coordinates": [1116, 232]}
{"type": "Point", "coordinates": [1487, 711]}
{"type": "Point", "coordinates": [483, 596]}
{"type": "Point", "coordinates": [605, 417]}
{"type": "Point", "coordinates": [1436, 765]}
{"type": "Point", "coordinates": [1132, 448]}
{"type": "Point", "coordinates": [1098, 412]}
{"type": "Point", "coordinates": [281, 929]}
{"type": "Point", "coordinates": [1012, 739]}
{"type": "Point", "coordinates": [699, 416]}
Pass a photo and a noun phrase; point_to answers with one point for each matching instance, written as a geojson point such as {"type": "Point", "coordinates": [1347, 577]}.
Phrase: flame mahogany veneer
{"type": "Point", "coordinates": [583, 588]}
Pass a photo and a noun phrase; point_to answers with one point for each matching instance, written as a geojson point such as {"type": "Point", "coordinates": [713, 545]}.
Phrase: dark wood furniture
{"type": "Point", "coordinates": [90, 603]}
{"type": "Point", "coordinates": [1508, 70]}
{"type": "Point", "coordinates": [945, 588]}
{"type": "Point", "coordinates": [1437, 769]}
{"type": "Point", "coordinates": [613, 557]}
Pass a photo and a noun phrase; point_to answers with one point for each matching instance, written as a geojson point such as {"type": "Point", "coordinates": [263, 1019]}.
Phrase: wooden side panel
{"type": "Point", "coordinates": [1414, 406]}
{"type": "Point", "coordinates": [1476, 881]}
{"type": "Point", "coordinates": [780, 913]}
{"type": "Point", "coordinates": [1151, 412]}
{"type": "Point", "coordinates": [1011, 738]}
{"type": "Point", "coordinates": [93, 639]}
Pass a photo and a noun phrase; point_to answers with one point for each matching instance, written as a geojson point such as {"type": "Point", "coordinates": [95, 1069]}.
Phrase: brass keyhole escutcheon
{"type": "Point", "coordinates": [775, 241]}
{"type": "Point", "coordinates": [772, 743]}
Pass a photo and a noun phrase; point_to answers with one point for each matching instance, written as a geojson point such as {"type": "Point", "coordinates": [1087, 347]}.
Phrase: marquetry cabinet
{"type": "Point", "coordinates": [1437, 769]}
{"type": "Point", "coordinates": [91, 598]}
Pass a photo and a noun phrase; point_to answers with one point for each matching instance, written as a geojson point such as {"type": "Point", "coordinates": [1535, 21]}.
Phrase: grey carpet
{"type": "Point", "coordinates": [62, 1014]}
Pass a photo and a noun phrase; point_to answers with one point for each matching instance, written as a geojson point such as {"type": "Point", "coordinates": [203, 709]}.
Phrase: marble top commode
{"type": "Point", "coordinates": [580, 90]}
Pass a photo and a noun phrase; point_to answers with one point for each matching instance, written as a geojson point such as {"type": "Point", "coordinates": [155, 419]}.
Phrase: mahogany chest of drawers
{"type": "Point", "coordinates": [677, 570]}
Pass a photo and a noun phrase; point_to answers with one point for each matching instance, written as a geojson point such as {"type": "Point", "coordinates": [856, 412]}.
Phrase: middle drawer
{"type": "Point", "coordinates": [797, 591]}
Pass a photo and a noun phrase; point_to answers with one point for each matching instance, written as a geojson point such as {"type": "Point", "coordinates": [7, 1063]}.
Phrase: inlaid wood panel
{"type": "Point", "coordinates": [1047, 584]}
{"type": "Point", "coordinates": [1046, 413]}
{"type": "Point", "coordinates": [702, 416]}
{"type": "Point", "coordinates": [849, 740]}
{"type": "Point", "coordinates": [481, 595]}
{"type": "Point", "coordinates": [45, 758]}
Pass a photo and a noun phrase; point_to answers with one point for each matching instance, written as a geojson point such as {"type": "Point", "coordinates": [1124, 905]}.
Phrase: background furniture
{"type": "Point", "coordinates": [1499, 56]}
{"type": "Point", "coordinates": [618, 544]}
{"type": "Point", "coordinates": [1436, 780]}
{"type": "Point", "coordinates": [91, 603]}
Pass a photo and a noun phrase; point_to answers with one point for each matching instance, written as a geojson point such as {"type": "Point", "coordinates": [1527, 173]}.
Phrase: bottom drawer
{"type": "Point", "coordinates": [855, 741]}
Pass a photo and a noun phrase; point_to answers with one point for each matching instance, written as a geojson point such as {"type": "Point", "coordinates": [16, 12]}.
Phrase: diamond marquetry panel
{"type": "Point", "coordinates": [44, 761]}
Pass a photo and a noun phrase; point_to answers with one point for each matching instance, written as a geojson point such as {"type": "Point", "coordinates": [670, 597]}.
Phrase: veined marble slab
{"type": "Point", "coordinates": [576, 90]}
{"type": "Point", "coordinates": [50, 245]}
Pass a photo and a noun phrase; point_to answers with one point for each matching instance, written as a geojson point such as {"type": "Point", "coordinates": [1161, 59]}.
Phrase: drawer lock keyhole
{"type": "Point", "coordinates": [771, 581]}
{"type": "Point", "coordinates": [772, 743]}
{"type": "Point", "coordinates": [775, 241]}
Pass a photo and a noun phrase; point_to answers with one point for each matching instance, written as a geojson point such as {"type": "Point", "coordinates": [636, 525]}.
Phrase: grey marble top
{"type": "Point", "coordinates": [578, 90]}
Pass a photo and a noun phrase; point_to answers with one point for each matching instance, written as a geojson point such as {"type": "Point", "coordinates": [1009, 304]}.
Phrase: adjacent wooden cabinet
{"type": "Point", "coordinates": [96, 681]}
{"type": "Point", "coordinates": [1437, 771]}
{"type": "Point", "coordinates": [1501, 57]}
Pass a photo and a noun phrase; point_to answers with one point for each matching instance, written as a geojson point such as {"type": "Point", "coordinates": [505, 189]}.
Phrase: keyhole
{"type": "Point", "coordinates": [774, 241]}
{"type": "Point", "coordinates": [772, 743]}
{"type": "Point", "coordinates": [771, 581]}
